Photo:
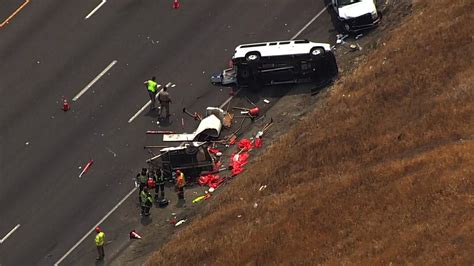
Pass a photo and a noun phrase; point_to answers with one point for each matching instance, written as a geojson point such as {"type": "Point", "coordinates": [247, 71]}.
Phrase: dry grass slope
{"type": "Point", "coordinates": [383, 172]}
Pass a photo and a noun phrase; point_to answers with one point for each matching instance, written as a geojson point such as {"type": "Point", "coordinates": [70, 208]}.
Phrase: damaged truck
{"type": "Point", "coordinates": [356, 15]}
{"type": "Point", "coordinates": [279, 62]}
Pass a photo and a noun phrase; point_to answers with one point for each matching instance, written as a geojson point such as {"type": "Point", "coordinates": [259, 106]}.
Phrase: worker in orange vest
{"type": "Point", "coordinates": [180, 183]}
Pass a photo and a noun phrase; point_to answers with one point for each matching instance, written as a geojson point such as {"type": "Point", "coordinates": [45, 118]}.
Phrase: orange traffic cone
{"type": "Point", "coordinates": [254, 111]}
{"type": "Point", "coordinates": [66, 106]}
{"type": "Point", "coordinates": [134, 235]}
{"type": "Point", "coordinates": [175, 4]}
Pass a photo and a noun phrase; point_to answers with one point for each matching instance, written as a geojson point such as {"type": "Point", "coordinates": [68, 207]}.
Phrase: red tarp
{"type": "Point", "coordinates": [237, 161]}
{"type": "Point", "coordinates": [210, 180]}
{"type": "Point", "coordinates": [245, 144]}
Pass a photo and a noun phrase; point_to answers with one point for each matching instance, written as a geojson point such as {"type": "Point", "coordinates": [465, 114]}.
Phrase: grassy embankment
{"type": "Point", "coordinates": [382, 172]}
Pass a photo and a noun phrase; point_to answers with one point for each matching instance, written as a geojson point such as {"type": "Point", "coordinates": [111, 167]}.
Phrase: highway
{"type": "Point", "coordinates": [50, 50]}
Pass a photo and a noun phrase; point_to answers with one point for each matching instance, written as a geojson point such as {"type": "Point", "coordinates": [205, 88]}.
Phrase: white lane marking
{"type": "Point", "coordinates": [93, 227]}
{"type": "Point", "coordinates": [95, 9]}
{"type": "Point", "coordinates": [309, 23]}
{"type": "Point", "coordinates": [134, 189]}
{"type": "Point", "coordinates": [94, 80]}
{"type": "Point", "coordinates": [143, 108]}
{"type": "Point", "coordinates": [9, 234]}
{"type": "Point", "coordinates": [292, 38]}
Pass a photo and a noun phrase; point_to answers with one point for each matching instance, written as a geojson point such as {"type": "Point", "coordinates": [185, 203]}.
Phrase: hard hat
{"type": "Point", "coordinates": [98, 230]}
{"type": "Point", "coordinates": [178, 171]}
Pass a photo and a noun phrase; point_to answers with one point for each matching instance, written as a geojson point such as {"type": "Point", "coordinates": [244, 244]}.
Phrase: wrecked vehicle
{"type": "Point", "coordinates": [192, 158]}
{"type": "Point", "coordinates": [356, 15]}
{"type": "Point", "coordinates": [279, 62]}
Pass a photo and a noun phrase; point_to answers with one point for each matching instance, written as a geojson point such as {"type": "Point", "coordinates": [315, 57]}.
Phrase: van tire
{"type": "Point", "coordinates": [317, 51]}
{"type": "Point", "coordinates": [252, 57]}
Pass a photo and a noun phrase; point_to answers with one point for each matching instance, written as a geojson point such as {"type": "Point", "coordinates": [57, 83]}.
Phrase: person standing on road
{"type": "Point", "coordinates": [160, 184]}
{"type": "Point", "coordinates": [165, 100]}
{"type": "Point", "coordinates": [180, 183]}
{"type": "Point", "coordinates": [152, 88]}
{"type": "Point", "coordinates": [146, 201]}
{"type": "Point", "coordinates": [99, 243]}
{"type": "Point", "coordinates": [142, 182]}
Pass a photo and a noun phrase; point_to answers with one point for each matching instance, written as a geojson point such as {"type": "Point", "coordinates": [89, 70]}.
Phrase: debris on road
{"type": "Point", "coordinates": [134, 235]}
{"type": "Point", "coordinates": [86, 168]}
{"type": "Point", "coordinates": [159, 132]}
{"type": "Point", "coordinates": [180, 222]}
{"type": "Point", "coordinates": [66, 105]}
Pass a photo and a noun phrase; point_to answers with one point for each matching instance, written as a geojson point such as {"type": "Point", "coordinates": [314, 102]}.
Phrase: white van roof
{"type": "Point", "coordinates": [278, 48]}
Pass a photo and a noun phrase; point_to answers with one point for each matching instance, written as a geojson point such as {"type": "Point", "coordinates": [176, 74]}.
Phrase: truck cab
{"type": "Point", "coordinates": [356, 15]}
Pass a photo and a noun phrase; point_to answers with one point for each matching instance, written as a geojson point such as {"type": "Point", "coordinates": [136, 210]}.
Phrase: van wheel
{"type": "Point", "coordinates": [252, 57]}
{"type": "Point", "coordinates": [317, 51]}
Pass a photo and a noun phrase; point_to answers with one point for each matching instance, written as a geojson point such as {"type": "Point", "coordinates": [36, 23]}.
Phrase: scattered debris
{"type": "Point", "coordinates": [66, 105]}
{"type": "Point", "coordinates": [262, 187]}
{"type": "Point", "coordinates": [266, 101]}
{"type": "Point", "coordinates": [180, 222]}
{"type": "Point", "coordinates": [340, 38]}
{"type": "Point", "coordinates": [154, 146]}
{"type": "Point", "coordinates": [86, 168]}
{"type": "Point", "coordinates": [159, 132]}
{"type": "Point", "coordinates": [195, 116]}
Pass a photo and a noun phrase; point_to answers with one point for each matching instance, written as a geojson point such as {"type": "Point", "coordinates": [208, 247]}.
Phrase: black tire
{"type": "Point", "coordinates": [252, 57]}
{"type": "Point", "coordinates": [191, 150]}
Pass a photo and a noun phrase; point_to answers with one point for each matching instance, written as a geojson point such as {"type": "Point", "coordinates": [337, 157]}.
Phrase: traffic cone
{"type": "Point", "coordinates": [66, 106]}
{"type": "Point", "coordinates": [134, 235]}
{"type": "Point", "coordinates": [175, 4]}
{"type": "Point", "coordinates": [254, 111]}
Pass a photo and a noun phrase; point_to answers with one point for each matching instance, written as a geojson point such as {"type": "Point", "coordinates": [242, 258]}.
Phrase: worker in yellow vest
{"type": "Point", "coordinates": [99, 242]}
{"type": "Point", "coordinates": [152, 88]}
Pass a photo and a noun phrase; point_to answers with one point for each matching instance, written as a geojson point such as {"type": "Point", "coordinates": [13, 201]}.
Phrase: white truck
{"type": "Point", "coordinates": [356, 15]}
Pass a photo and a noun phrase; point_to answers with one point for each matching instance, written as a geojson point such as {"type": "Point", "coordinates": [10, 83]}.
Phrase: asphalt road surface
{"type": "Point", "coordinates": [48, 51]}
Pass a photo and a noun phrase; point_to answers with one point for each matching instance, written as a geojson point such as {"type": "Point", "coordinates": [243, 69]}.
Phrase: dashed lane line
{"type": "Point", "coordinates": [95, 9]}
{"type": "Point", "coordinates": [144, 106]}
{"type": "Point", "coordinates": [94, 80]}
{"type": "Point", "coordinates": [9, 234]}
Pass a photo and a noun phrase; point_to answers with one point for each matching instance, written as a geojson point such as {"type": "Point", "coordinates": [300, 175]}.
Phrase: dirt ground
{"type": "Point", "coordinates": [287, 112]}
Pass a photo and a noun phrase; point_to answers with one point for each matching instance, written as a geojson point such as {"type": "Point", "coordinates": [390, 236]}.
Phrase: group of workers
{"type": "Point", "coordinates": [147, 180]}
{"type": "Point", "coordinates": [153, 179]}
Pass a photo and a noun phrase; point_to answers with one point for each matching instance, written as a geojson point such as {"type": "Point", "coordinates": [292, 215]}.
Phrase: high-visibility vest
{"type": "Point", "coordinates": [142, 179]}
{"type": "Point", "coordinates": [180, 181]}
{"type": "Point", "coordinates": [100, 239]}
{"type": "Point", "coordinates": [151, 85]}
{"type": "Point", "coordinates": [145, 197]}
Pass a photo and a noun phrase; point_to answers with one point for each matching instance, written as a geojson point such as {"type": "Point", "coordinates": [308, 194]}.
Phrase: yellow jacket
{"type": "Point", "coordinates": [100, 239]}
